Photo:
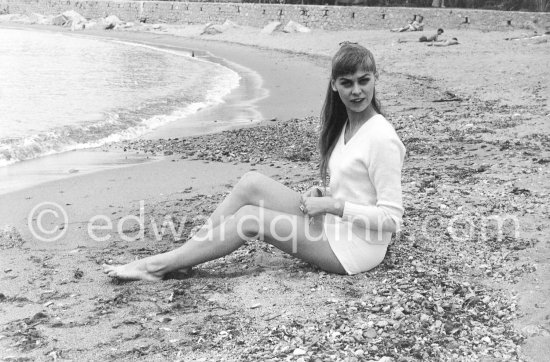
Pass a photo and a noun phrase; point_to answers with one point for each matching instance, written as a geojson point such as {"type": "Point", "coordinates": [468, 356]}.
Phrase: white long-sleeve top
{"type": "Point", "coordinates": [366, 173]}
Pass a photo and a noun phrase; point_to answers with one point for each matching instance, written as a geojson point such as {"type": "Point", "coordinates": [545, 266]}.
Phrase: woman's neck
{"type": "Point", "coordinates": [358, 119]}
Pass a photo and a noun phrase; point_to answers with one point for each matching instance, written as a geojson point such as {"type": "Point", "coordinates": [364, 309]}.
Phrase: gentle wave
{"type": "Point", "coordinates": [112, 129]}
{"type": "Point", "coordinates": [122, 124]}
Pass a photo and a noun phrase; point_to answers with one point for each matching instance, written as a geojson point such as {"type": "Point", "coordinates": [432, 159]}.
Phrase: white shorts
{"type": "Point", "coordinates": [354, 253]}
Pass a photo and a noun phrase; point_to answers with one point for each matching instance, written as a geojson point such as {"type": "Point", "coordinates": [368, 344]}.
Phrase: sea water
{"type": "Point", "coordinates": [61, 93]}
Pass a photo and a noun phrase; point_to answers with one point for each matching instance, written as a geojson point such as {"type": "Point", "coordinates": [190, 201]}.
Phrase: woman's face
{"type": "Point", "coordinates": [355, 90]}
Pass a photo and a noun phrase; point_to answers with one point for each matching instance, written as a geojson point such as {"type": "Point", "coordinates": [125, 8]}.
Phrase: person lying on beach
{"type": "Point", "coordinates": [344, 228]}
{"type": "Point", "coordinates": [431, 38]}
{"type": "Point", "coordinates": [445, 43]}
{"type": "Point", "coordinates": [536, 35]}
{"type": "Point", "coordinates": [416, 25]}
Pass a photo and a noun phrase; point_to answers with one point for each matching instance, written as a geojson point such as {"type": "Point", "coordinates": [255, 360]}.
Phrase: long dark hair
{"type": "Point", "coordinates": [349, 59]}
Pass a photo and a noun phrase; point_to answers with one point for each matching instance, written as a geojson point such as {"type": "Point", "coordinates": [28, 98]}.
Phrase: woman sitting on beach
{"type": "Point", "coordinates": [416, 25]}
{"type": "Point", "coordinates": [344, 228]}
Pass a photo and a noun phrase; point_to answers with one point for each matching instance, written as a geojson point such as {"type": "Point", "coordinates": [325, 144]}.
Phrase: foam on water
{"type": "Point", "coordinates": [208, 84]}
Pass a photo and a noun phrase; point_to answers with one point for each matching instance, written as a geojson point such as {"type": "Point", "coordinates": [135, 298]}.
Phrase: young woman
{"type": "Point", "coordinates": [344, 228]}
{"type": "Point", "coordinates": [417, 24]}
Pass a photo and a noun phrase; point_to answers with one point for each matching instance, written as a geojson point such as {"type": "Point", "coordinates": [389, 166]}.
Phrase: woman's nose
{"type": "Point", "coordinates": [356, 89]}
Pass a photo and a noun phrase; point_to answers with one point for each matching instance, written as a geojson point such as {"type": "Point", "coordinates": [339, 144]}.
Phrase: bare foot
{"type": "Point", "coordinates": [136, 270]}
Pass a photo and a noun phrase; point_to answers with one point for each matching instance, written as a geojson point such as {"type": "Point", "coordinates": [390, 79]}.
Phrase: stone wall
{"type": "Point", "coordinates": [258, 15]}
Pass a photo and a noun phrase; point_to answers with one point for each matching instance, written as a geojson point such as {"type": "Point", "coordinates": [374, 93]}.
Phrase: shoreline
{"type": "Point", "coordinates": [255, 100]}
{"type": "Point", "coordinates": [476, 131]}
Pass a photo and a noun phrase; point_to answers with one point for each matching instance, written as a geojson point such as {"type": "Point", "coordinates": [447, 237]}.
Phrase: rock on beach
{"type": "Point", "coordinates": [294, 27]}
{"type": "Point", "coordinates": [271, 27]}
{"type": "Point", "coordinates": [111, 22]}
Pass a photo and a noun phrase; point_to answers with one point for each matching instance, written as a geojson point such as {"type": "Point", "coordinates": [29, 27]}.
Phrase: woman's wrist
{"type": "Point", "coordinates": [336, 207]}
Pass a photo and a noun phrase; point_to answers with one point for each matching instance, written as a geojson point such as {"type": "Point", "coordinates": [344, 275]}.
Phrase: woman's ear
{"type": "Point", "coordinates": [332, 85]}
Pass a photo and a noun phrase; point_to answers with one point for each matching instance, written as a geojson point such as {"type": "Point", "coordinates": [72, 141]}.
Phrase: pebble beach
{"type": "Point", "coordinates": [453, 287]}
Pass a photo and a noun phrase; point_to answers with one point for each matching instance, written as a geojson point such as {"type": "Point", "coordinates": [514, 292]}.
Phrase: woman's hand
{"type": "Point", "coordinates": [313, 206]}
{"type": "Point", "coordinates": [314, 191]}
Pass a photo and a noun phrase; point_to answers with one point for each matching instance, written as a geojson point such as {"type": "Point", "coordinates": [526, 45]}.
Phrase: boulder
{"type": "Point", "coordinates": [59, 20]}
{"type": "Point", "coordinates": [228, 24]}
{"type": "Point", "coordinates": [211, 29]}
{"type": "Point", "coordinates": [294, 27]}
{"type": "Point", "coordinates": [92, 24]}
{"type": "Point", "coordinates": [111, 22]}
{"type": "Point", "coordinates": [75, 25]}
{"type": "Point", "coordinates": [35, 18]}
{"type": "Point", "coordinates": [21, 18]}
{"type": "Point", "coordinates": [271, 27]}
{"type": "Point", "coordinates": [74, 16]}
{"type": "Point", "coordinates": [6, 17]}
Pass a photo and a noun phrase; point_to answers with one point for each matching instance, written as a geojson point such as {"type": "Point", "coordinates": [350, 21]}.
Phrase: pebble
{"type": "Point", "coordinates": [370, 333]}
{"type": "Point", "coordinates": [39, 315]}
{"type": "Point", "coordinates": [446, 303]}
{"type": "Point", "coordinates": [398, 313]}
{"type": "Point", "coordinates": [382, 324]}
{"type": "Point", "coordinates": [417, 296]}
{"type": "Point", "coordinates": [299, 352]}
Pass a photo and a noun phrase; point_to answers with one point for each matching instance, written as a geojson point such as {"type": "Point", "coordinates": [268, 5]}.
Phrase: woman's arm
{"type": "Point", "coordinates": [383, 159]}
{"type": "Point", "coordinates": [386, 154]}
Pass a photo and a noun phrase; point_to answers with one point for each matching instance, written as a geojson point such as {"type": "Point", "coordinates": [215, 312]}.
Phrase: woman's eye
{"type": "Point", "coordinates": [364, 81]}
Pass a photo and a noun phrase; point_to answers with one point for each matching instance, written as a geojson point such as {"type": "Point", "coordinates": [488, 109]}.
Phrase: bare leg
{"type": "Point", "coordinates": [253, 196]}
{"type": "Point", "coordinates": [257, 189]}
{"type": "Point", "coordinates": [291, 233]}
{"type": "Point", "coordinates": [400, 30]}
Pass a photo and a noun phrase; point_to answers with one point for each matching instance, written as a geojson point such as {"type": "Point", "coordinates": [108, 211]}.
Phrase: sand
{"type": "Point", "coordinates": [474, 118]}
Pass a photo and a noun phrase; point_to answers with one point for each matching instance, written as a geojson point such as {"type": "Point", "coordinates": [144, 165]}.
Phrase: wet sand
{"type": "Point", "coordinates": [263, 89]}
